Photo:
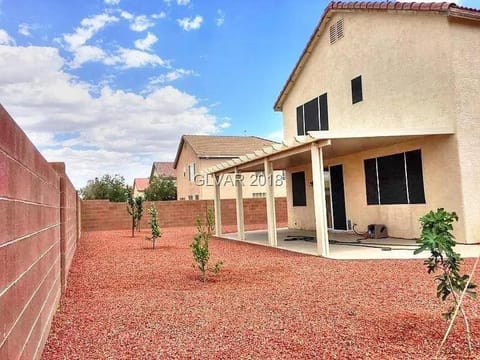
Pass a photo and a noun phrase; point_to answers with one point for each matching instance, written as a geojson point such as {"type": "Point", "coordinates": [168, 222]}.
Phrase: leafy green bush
{"type": "Point", "coordinates": [437, 238]}
{"type": "Point", "coordinates": [161, 189]}
{"type": "Point", "coordinates": [200, 245]}
{"type": "Point", "coordinates": [155, 228]}
{"type": "Point", "coordinates": [108, 187]}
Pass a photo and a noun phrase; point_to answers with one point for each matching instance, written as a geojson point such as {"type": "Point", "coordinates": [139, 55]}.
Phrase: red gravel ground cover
{"type": "Point", "coordinates": [127, 301]}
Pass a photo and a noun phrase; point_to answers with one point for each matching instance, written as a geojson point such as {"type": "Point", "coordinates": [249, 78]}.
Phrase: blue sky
{"type": "Point", "coordinates": [109, 86]}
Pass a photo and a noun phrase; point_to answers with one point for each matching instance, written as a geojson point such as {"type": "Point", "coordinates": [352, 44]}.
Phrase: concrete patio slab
{"type": "Point", "coordinates": [346, 245]}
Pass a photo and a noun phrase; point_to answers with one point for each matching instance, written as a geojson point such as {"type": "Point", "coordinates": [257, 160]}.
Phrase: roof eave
{"type": "Point", "coordinates": [179, 150]}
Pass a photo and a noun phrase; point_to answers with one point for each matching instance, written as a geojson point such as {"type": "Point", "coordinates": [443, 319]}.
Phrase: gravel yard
{"type": "Point", "coordinates": [127, 301]}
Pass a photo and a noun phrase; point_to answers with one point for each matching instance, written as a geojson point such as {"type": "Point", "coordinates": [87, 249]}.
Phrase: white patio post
{"type": "Point", "coordinates": [239, 204]}
{"type": "Point", "coordinates": [270, 198]}
{"type": "Point", "coordinates": [319, 200]}
{"type": "Point", "coordinates": [218, 206]}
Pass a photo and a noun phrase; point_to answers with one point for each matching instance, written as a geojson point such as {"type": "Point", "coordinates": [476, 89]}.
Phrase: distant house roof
{"type": "Point", "coordinates": [163, 169]}
{"type": "Point", "coordinates": [446, 8]}
{"type": "Point", "coordinates": [208, 146]}
{"type": "Point", "coordinates": [141, 183]}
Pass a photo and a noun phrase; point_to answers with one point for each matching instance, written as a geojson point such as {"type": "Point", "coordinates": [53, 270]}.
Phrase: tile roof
{"type": "Point", "coordinates": [262, 153]}
{"type": "Point", "coordinates": [222, 146]}
{"type": "Point", "coordinates": [163, 169]}
{"type": "Point", "coordinates": [141, 183]}
{"type": "Point", "coordinates": [447, 8]}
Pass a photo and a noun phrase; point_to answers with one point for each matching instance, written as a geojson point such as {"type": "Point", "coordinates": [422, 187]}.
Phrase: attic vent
{"type": "Point", "coordinates": [336, 31]}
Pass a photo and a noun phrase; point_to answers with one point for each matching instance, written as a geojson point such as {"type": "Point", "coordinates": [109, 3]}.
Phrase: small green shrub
{"type": "Point", "coordinates": [200, 245]}
{"type": "Point", "coordinates": [437, 238]}
{"type": "Point", "coordinates": [135, 209]}
{"type": "Point", "coordinates": [155, 228]}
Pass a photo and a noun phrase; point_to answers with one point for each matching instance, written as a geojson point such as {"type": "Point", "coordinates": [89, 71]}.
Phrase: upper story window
{"type": "Point", "coordinates": [191, 172]}
{"type": "Point", "coordinates": [395, 179]}
{"type": "Point", "coordinates": [357, 93]}
{"type": "Point", "coordinates": [336, 31]}
{"type": "Point", "coordinates": [313, 115]}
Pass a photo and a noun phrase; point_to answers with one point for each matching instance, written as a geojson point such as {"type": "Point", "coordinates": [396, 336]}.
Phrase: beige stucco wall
{"type": "Point", "coordinates": [441, 174]}
{"type": "Point", "coordinates": [465, 40]}
{"type": "Point", "coordinates": [404, 62]}
{"type": "Point", "coordinates": [184, 186]}
{"type": "Point", "coordinates": [419, 71]}
{"type": "Point", "coordinates": [227, 190]}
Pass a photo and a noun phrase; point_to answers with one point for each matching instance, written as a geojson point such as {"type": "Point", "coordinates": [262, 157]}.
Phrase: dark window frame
{"type": "Point", "coordinates": [299, 189]}
{"type": "Point", "coordinates": [399, 177]}
{"type": "Point", "coordinates": [357, 89]}
{"type": "Point", "coordinates": [317, 117]}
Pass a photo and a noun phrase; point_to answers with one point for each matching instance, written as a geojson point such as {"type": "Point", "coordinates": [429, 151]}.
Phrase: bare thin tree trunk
{"type": "Point", "coordinates": [457, 308]}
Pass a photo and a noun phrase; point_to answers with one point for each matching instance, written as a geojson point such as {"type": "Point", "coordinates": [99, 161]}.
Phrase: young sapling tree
{"type": "Point", "coordinates": [135, 209]}
{"type": "Point", "coordinates": [200, 246]}
{"type": "Point", "coordinates": [436, 237]}
{"type": "Point", "coordinates": [139, 206]}
{"type": "Point", "coordinates": [155, 228]}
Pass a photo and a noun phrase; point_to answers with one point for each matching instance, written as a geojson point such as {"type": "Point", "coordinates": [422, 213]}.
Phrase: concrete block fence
{"type": "Point", "coordinates": [105, 215]}
{"type": "Point", "coordinates": [41, 220]}
{"type": "Point", "coordinates": [39, 233]}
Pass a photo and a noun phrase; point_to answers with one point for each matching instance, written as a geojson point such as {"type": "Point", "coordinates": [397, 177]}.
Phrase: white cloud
{"type": "Point", "coordinates": [220, 18]}
{"type": "Point", "coordinates": [141, 23]}
{"type": "Point", "coordinates": [24, 29]}
{"type": "Point", "coordinates": [122, 57]}
{"type": "Point", "coordinates": [87, 29]}
{"type": "Point", "coordinates": [160, 15]}
{"type": "Point", "coordinates": [112, 2]}
{"type": "Point", "coordinates": [224, 125]}
{"type": "Point", "coordinates": [170, 76]}
{"type": "Point", "coordinates": [183, 2]}
{"type": "Point", "coordinates": [147, 42]}
{"type": "Point", "coordinates": [41, 139]}
{"type": "Point", "coordinates": [126, 15]}
{"type": "Point", "coordinates": [188, 24]}
{"type": "Point", "coordinates": [6, 39]}
{"type": "Point", "coordinates": [85, 54]}
{"type": "Point", "coordinates": [132, 58]}
{"type": "Point", "coordinates": [105, 131]}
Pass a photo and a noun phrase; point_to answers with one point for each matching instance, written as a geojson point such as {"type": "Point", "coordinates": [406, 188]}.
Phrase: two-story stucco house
{"type": "Point", "coordinates": [381, 119]}
{"type": "Point", "coordinates": [197, 152]}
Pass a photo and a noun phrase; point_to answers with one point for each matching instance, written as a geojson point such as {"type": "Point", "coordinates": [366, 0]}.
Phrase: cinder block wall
{"type": "Point", "coordinates": [104, 215]}
{"type": "Point", "coordinates": [38, 218]}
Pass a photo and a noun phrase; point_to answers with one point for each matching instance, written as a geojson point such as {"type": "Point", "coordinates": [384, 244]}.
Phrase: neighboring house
{"type": "Point", "coordinates": [163, 170]}
{"type": "Point", "coordinates": [381, 116]}
{"type": "Point", "coordinates": [197, 152]}
{"type": "Point", "coordinates": [139, 186]}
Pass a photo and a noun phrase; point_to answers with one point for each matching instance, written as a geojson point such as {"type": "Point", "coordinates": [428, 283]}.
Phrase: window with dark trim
{"type": "Point", "coordinates": [313, 115]}
{"type": "Point", "coordinates": [298, 189]}
{"type": "Point", "coordinates": [357, 94]}
{"type": "Point", "coordinates": [300, 123]}
{"type": "Point", "coordinates": [395, 179]}
{"type": "Point", "coordinates": [322, 100]}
